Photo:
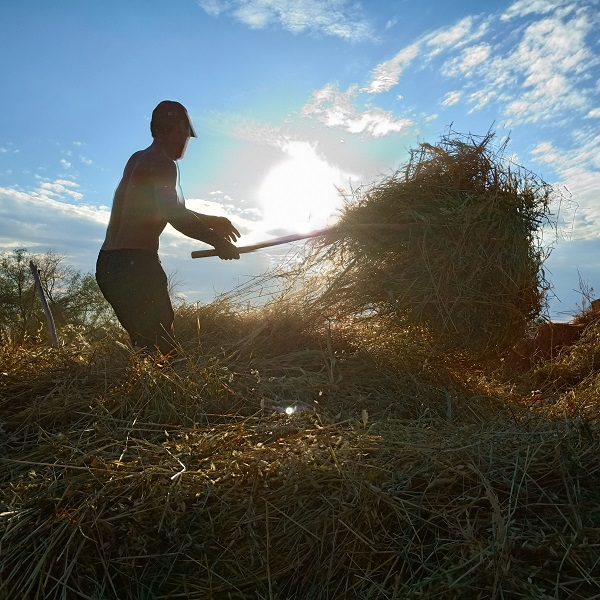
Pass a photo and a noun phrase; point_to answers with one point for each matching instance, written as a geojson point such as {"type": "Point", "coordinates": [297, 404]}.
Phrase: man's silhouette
{"type": "Point", "coordinates": [128, 269]}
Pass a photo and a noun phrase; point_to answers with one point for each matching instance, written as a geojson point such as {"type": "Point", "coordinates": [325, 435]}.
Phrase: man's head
{"type": "Point", "coordinates": [172, 128]}
{"type": "Point", "coordinates": [169, 115]}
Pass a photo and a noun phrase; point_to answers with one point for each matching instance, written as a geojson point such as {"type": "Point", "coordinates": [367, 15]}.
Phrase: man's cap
{"type": "Point", "coordinates": [169, 112]}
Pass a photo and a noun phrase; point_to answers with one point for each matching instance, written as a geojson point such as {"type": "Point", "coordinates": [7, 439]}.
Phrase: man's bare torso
{"type": "Point", "coordinates": [142, 201]}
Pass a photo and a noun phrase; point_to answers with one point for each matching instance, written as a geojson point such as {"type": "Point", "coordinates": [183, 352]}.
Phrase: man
{"type": "Point", "coordinates": [128, 269]}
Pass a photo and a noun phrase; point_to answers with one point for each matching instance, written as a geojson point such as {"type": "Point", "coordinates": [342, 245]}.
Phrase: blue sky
{"type": "Point", "coordinates": [291, 100]}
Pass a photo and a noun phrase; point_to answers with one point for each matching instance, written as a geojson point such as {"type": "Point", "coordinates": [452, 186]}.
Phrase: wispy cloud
{"type": "Point", "coordinates": [550, 66]}
{"type": "Point", "coordinates": [391, 23]}
{"type": "Point", "coordinates": [41, 220]}
{"type": "Point", "coordinates": [10, 147]}
{"type": "Point", "coordinates": [338, 109]}
{"type": "Point", "coordinates": [338, 18]}
{"type": "Point", "coordinates": [465, 32]}
{"type": "Point", "coordinates": [548, 71]}
{"type": "Point", "coordinates": [465, 63]}
{"type": "Point", "coordinates": [451, 98]}
{"type": "Point", "coordinates": [335, 108]}
{"type": "Point", "coordinates": [523, 8]}
{"type": "Point", "coordinates": [245, 219]}
{"type": "Point", "coordinates": [477, 100]}
{"type": "Point", "coordinates": [60, 188]}
{"type": "Point", "coordinates": [544, 75]}
{"type": "Point", "coordinates": [578, 170]}
{"type": "Point", "coordinates": [387, 74]}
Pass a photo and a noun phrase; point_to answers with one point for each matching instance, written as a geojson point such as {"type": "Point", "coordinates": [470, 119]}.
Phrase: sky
{"type": "Point", "coordinates": [296, 103]}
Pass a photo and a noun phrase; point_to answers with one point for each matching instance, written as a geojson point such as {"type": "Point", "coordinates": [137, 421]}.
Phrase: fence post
{"type": "Point", "coordinates": [49, 318]}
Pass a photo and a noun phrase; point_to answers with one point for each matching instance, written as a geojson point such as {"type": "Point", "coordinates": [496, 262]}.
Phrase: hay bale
{"type": "Point", "coordinates": [468, 267]}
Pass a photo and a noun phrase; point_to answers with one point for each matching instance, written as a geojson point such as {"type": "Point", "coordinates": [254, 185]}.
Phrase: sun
{"type": "Point", "coordinates": [301, 192]}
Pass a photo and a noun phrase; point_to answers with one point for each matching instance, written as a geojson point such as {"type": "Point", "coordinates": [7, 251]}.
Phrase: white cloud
{"type": "Point", "coordinates": [579, 173]}
{"type": "Point", "coordinates": [387, 74]}
{"type": "Point", "coordinates": [65, 163]}
{"type": "Point", "coordinates": [480, 98]}
{"type": "Point", "coordinates": [451, 98]}
{"type": "Point", "coordinates": [215, 7]}
{"type": "Point", "coordinates": [60, 188]}
{"type": "Point", "coordinates": [244, 219]}
{"type": "Point", "coordinates": [338, 18]}
{"type": "Point", "coordinates": [549, 62]}
{"type": "Point", "coordinates": [391, 23]}
{"type": "Point", "coordinates": [40, 221]}
{"type": "Point", "coordinates": [470, 58]}
{"type": "Point", "coordinates": [462, 33]}
{"type": "Point", "coordinates": [545, 74]}
{"type": "Point", "coordinates": [523, 8]}
{"type": "Point", "coordinates": [337, 109]}
{"type": "Point", "coordinates": [594, 113]}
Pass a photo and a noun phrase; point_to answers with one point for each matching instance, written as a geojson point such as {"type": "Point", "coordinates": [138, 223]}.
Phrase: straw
{"type": "Point", "coordinates": [470, 267]}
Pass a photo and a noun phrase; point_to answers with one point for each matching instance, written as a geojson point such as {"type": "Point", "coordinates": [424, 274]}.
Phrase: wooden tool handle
{"type": "Point", "coordinates": [389, 228]}
{"type": "Point", "coordinates": [286, 239]}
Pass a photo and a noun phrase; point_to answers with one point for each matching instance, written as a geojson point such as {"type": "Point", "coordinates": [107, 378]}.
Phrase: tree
{"type": "Point", "coordinates": [74, 298]}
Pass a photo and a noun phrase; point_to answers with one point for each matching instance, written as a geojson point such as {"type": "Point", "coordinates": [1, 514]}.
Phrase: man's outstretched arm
{"type": "Point", "coordinates": [173, 211]}
{"type": "Point", "coordinates": [193, 226]}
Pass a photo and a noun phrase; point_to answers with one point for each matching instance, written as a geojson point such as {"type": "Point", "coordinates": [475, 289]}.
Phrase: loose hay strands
{"type": "Point", "coordinates": [568, 385]}
{"type": "Point", "coordinates": [406, 475]}
{"type": "Point", "coordinates": [286, 509]}
{"type": "Point", "coordinates": [144, 482]}
{"type": "Point", "coordinates": [470, 268]}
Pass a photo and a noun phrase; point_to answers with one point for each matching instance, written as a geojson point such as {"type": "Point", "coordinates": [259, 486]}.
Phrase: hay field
{"type": "Point", "coordinates": [364, 434]}
{"type": "Point", "coordinates": [400, 474]}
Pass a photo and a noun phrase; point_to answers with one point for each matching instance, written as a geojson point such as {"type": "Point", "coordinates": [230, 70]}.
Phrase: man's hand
{"type": "Point", "coordinates": [226, 250]}
{"type": "Point", "coordinates": [216, 231]}
{"type": "Point", "coordinates": [223, 227]}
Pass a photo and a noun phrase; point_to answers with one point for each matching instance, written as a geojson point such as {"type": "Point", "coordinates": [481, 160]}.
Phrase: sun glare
{"type": "Point", "coordinates": [300, 193]}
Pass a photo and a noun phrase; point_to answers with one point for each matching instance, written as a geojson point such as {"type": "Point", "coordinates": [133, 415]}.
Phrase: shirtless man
{"type": "Point", "coordinates": [128, 269]}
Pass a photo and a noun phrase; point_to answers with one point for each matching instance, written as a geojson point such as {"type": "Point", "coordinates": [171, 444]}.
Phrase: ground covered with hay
{"type": "Point", "coordinates": [315, 448]}
{"type": "Point", "coordinates": [397, 475]}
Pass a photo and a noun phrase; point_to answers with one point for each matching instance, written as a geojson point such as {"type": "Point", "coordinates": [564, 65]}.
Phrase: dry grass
{"type": "Point", "coordinates": [465, 257]}
{"type": "Point", "coordinates": [408, 468]}
{"type": "Point", "coordinates": [402, 475]}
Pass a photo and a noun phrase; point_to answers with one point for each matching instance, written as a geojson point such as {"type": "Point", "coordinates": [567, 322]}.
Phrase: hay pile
{"type": "Point", "coordinates": [468, 265]}
{"type": "Point", "coordinates": [124, 481]}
